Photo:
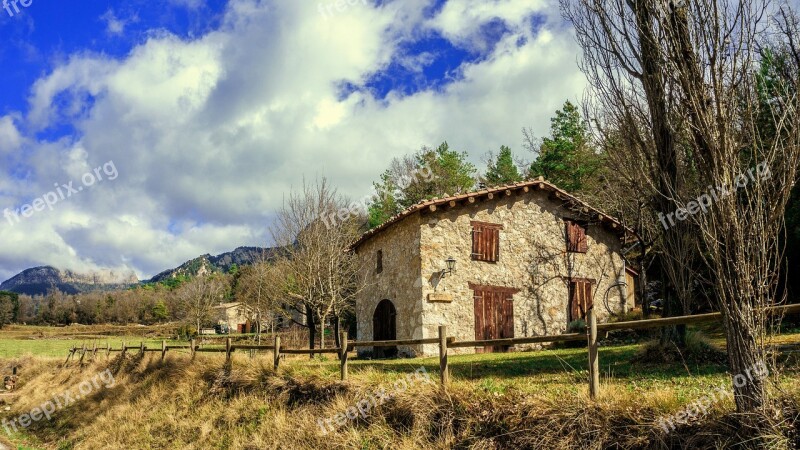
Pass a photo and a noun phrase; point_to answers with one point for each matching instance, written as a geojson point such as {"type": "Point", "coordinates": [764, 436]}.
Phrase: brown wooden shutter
{"type": "Point", "coordinates": [486, 241]}
{"type": "Point", "coordinates": [576, 237]}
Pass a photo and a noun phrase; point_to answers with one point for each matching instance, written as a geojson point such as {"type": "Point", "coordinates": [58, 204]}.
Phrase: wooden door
{"type": "Point", "coordinates": [384, 328]}
{"type": "Point", "coordinates": [580, 299]}
{"type": "Point", "coordinates": [494, 316]}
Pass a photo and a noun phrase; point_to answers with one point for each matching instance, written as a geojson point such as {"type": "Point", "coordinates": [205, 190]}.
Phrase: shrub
{"type": "Point", "coordinates": [577, 326]}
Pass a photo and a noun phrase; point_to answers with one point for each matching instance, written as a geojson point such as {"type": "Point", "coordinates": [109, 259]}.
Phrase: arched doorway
{"type": "Point", "coordinates": [384, 328]}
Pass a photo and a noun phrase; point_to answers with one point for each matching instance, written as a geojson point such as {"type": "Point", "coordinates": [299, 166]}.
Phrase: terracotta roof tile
{"type": "Point", "coordinates": [539, 183]}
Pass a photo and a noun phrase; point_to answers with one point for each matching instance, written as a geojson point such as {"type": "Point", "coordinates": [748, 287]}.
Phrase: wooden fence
{"type": "Point", "coordinates": [592, 335]}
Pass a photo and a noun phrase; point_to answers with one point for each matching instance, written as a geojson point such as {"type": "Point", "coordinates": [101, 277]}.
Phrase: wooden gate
{"type": "Point", "coordinates": [494, 314]}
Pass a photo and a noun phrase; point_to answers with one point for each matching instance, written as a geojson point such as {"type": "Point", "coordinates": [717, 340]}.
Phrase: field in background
{"type": "Point", "coordinates": [18, 340]}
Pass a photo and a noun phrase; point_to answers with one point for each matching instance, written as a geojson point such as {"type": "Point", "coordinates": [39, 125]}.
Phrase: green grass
{"type": "Point", "coordinates": [12, 348]}
{"type": "Point", "coordinates": [549, 373]}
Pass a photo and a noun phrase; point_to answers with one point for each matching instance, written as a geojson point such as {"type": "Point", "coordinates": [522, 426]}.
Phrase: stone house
{"type": "Point", "coordinates": [527, 259]}
{"type": "Point", "coordinates": [235, 315]}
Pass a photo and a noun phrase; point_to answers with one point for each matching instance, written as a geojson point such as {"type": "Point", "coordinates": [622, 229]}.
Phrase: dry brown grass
{"type": "Point", "coordinates": [204, 405]}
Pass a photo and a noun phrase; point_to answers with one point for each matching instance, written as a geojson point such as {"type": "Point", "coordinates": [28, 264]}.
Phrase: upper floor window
{"type": "Point", "coordinates": [576, 236]}
{"type": "Point", "coordinates": [486, 241]}
{"type": "Point", "coordinates": [379, 262]}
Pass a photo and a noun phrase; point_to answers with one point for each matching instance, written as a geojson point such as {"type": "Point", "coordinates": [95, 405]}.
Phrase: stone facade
{"type": "Point", "coordinates": [399, 281]}
{"type": "Point", "coordinates": [533, 260]}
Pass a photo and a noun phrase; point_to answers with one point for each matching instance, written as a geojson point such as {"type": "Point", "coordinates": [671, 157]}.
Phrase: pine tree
{"type": "Point", "coordinates": [502, 170]}
{"type": "Point", "coordinates": [566, 158]}
{"type": "Point", "coordinates": [427, 174]}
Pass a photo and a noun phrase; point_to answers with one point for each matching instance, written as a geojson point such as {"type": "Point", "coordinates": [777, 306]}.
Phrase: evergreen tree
{"type": "Point", "coordinates": [566, 158]}
{"type": "Point", "coordinates": [427, 174]}
{"type": "Point", "coordinates": [502, 170]}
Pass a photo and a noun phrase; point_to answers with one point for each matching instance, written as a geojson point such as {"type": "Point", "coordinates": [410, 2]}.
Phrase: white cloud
{"type": "Point", "coordinates": [10, 137]}
{"type": "Point", "coordinates": [209, 134]}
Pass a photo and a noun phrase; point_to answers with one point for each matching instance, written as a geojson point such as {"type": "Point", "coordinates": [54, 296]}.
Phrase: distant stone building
{"type": "Point", "coordinates": [236, 316]}
{"type": "Point", "coordinates": [529, 258]}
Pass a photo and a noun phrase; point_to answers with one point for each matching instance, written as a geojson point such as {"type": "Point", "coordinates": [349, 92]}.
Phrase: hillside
{"type": "Point", "coordinates": [39, 280]}
{"type": "Point", "coordinates": [221, 263]}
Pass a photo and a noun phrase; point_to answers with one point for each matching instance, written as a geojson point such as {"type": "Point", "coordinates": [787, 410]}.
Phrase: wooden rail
{"type": "Point", "coordinates": [444, 342]}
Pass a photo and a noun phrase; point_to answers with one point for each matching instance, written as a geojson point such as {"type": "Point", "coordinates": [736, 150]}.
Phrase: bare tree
{"type": "Point", "coordinates": [635, 108]}
{"type": "Point", "coordinates": [682, 78]}
{"type": "Point", "coordinates": [323, 278]}
{"type": "Point", "coordinates": [198, 296]}
{"type": "Point", "coordinates": [261, 289]}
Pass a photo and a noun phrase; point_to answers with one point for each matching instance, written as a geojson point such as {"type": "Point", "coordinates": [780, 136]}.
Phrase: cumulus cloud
{"type": "Point", "coordinates": [209, 134]}
{"type": "Point", "coordinates": [10, 137]}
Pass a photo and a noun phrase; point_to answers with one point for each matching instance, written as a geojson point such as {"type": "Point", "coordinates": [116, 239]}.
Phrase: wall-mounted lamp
{"type": "Point", "coordinates": [451, 266]}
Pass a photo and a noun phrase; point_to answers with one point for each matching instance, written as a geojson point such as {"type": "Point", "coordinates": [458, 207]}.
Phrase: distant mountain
{"type": "Point", "coordinates": [40, 280]}
{"type": "Point", "coordinates": [205, 264]}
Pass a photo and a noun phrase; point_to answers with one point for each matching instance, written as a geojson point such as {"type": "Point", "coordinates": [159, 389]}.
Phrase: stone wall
{"type": "Point", "coordinates": [399, 282]}
{"type": "Point", "coordinates": [533, 259]}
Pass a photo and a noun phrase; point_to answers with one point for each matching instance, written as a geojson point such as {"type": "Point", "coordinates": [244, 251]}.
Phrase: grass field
{"type": "Point", "coordinates": [19, 340]}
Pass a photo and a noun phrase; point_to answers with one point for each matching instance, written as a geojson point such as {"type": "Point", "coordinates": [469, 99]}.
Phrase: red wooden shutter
{"type": "Point", "coordinates": [576, 237]}
{"type": "Point", "coordinates": [486, 241]}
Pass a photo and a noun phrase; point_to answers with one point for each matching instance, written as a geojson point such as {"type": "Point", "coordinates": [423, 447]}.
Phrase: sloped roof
{"type": "Point", "coordinates": [471, 197]}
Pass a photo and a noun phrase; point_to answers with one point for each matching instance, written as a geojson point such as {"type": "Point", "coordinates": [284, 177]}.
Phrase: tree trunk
{"type": "Point", "coordinates": [312, 330]}
{"type": "Point", "coordinates": [674, 335]}
{"type": "Point", "coordinates": [745, 359]}
{"type": "Point", "coordinates": [336, 328]}
{"type": "Point", "coordinates": [322, 320]}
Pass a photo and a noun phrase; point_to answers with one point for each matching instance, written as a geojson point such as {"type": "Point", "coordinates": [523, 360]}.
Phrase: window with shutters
{"type": "Point", "coordinates": [379, 263]}
{"type": "Point", "coordinates": [576, 236]}
{"type": "Point", "coordinates": [580, 298]}
{"type": "Point", "coordinates": [486, 241]}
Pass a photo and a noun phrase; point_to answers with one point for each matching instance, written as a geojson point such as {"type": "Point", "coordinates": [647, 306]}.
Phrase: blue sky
{"type": "Point", "coordinates": [210, 111]}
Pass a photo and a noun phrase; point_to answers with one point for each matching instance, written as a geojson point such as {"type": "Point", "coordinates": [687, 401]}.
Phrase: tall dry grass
{"type": "Point", "coordinates": [204, 404]}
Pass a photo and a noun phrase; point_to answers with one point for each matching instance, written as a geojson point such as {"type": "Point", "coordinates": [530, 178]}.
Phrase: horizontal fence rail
{"type": "Point", "coordinates": [442, 340]}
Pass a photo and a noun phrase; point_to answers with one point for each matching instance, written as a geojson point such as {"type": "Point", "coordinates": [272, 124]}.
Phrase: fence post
{"type": "Point", "coordinates": [94, 351]}
{"type": "Point", "coordinates": [228, 350]}
{"type": "Point", "coordinates": [594, 362]}
{"type": "Point", "coordinates": [343, 353]}
{"type": "Point", "coordinates": [71, 352]}
{"type": "Point", "coordinates": [124, 349]}
{"type": "Point", "coordinates": [108, 349]}
{"type": "Point", "coordinates": [191, 347]}
{"type": "Point", "coordinates": [83, 352]}
{"type": "Point", "coordinates": [163, 349]}
{"type": "Point", "coordinates": [276, 354]}
{"type": "Point", "coordinates": [445, 376]}
{"type": "Point", "coordinates": [141, 348]}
